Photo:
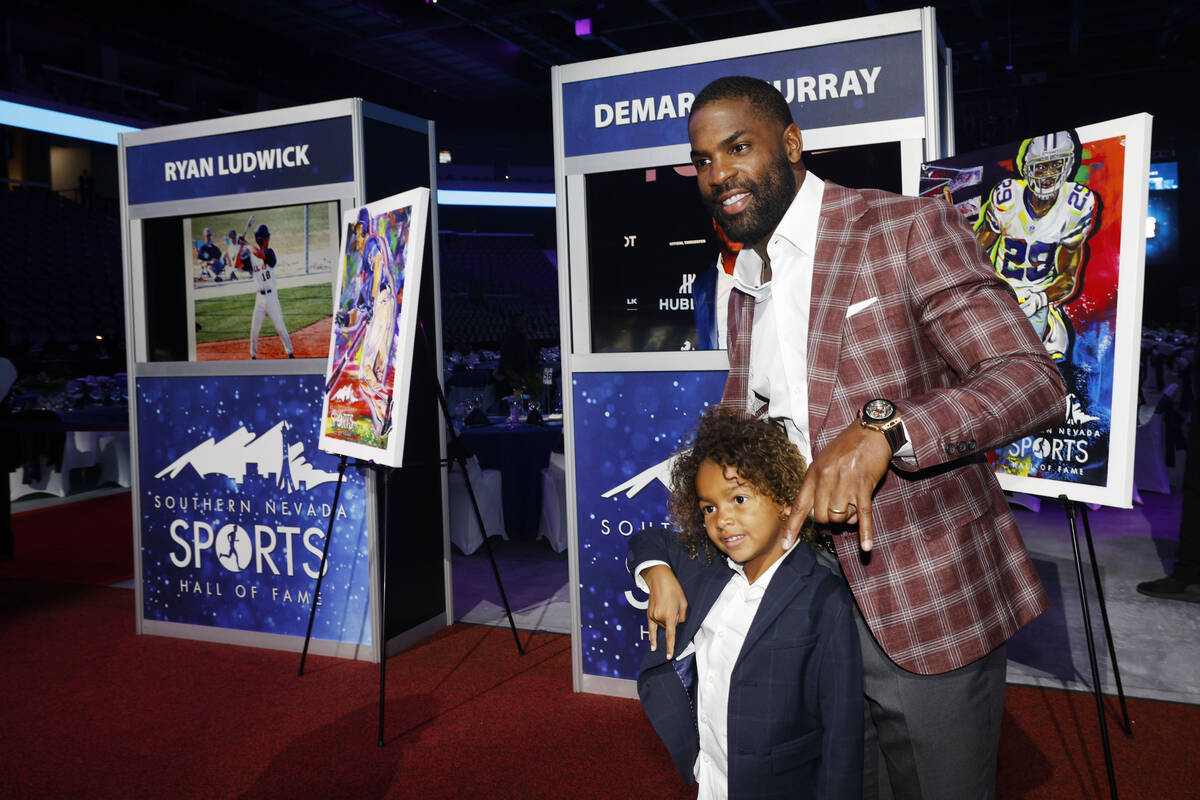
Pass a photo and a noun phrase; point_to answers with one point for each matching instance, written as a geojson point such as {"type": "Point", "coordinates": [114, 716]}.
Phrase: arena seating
{"type": "Point", "coordinates": [62, 267]}
{"type": "Point", "coordinates": [488, 277]}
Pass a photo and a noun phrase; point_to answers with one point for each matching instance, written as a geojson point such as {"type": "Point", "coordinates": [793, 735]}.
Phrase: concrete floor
{"type": "Point", "coordinates": [535, 580]}
{"type": "Point", "coordinates": [1157, 642]}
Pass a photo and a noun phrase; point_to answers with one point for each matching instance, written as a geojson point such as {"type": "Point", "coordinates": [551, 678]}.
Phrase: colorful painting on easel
{"type": "Point", "coordinates": [371, 341]}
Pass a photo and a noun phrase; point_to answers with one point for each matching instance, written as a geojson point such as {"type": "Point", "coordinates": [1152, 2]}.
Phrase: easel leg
{"type": "Point", "coordinates": [383, 537]}
{"type": "Point", "coordinates": [458, 454]}
{"type": "Point", "coordinates": [1087, 627]}
{"type": "Point", "coordinates": [1127, 725]}
{"type": "Point", "coordinates": [312, 612]}
{"type": "Point", "coordinates": [462, 463]}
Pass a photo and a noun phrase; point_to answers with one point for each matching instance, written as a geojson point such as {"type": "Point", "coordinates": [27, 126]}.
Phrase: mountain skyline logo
{"type": "Point", "coordinates": [272, 456]}
{"type": "Point", "coordinates": [660, 472]}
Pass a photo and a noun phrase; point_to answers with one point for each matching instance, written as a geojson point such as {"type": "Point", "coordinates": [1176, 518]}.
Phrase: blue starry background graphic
{"type": "Point", "coordinates": [175, 414]}
{"type": "Point", "coordinates": [1089, 375]}
{"type": "Point", "coordinates": [624, 423]}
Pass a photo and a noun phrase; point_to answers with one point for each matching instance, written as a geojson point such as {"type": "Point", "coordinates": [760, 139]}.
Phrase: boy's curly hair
{"type": "Point", "coordinates": [758, 449]}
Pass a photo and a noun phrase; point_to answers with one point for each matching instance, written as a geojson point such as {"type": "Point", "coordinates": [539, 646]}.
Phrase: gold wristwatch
{"type": "Point", "coordinates": [881, 415]}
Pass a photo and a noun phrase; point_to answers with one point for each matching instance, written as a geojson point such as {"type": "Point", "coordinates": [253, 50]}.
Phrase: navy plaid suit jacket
{"type": "Point", "coordinates": [795, 720]}
{"type": "Point", "coordinates": [938, 333]}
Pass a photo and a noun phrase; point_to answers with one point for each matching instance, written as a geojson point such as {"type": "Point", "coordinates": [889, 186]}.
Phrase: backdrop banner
{"type": "Point", "coordinates": [627, 425]}
{"type": "Point", "coordinates": [235, 501]}
{"type": "Point", "coordinates": [645, 271]}
{"type": "Point", "coordinates": [841, 83]}
{"type": "Point", "coordinates": [283, 157]}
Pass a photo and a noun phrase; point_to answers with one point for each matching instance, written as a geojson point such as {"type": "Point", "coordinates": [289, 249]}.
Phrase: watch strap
{"type": "Point", "coordinates": [892, 430]}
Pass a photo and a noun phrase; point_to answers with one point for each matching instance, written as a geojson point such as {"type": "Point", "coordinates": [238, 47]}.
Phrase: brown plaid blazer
{"type": "Point", "coordinates": [949, 578]}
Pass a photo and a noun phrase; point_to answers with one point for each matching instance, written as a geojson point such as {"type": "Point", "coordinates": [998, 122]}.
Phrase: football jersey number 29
{"type": "Point", "coordinates": [1025, 261]}
{"type": "Point", "coordinates": [1077, 199]}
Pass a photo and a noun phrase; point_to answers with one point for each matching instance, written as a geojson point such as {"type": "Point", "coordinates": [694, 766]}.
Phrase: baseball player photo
{"type": "Point", "coordinates": [262, 263]}
{"type": "Point", "coordinates": [275, 263]}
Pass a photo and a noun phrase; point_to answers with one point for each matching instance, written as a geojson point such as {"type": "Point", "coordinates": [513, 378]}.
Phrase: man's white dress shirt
{"type": "Point", "coordinates": [779, 342]}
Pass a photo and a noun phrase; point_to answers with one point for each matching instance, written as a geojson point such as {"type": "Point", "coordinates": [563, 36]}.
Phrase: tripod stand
{"type": "Point", "coordinates": [1074, 510]}
{"type": "Point", "coordinates": [457, 453]}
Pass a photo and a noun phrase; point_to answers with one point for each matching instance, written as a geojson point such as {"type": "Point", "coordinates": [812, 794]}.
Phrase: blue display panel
{"type": "Point", "coordinates": [626, 426]}
{"type": "Point", "coordinates": [234, 503]}
{"type": "Point", "coordinates": [845, 83]}
{"type": "Point", "coordinates": [283, 157]}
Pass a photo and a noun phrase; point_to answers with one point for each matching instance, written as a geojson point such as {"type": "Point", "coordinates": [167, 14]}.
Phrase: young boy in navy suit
{"type": "Point", "coordinates": [760, 694]}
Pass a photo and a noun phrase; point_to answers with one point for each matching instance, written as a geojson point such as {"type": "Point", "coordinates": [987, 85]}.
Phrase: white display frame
{"type": "Point", "coordinates": [348, 194]}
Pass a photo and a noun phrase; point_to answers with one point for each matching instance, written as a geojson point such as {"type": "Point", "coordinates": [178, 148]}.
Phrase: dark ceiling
{"type": "Point", "coordinates": [481, 68]}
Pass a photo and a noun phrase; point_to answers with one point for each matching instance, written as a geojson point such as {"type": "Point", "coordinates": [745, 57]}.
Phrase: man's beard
{"type": "Point", "coordinates": [769, 201]}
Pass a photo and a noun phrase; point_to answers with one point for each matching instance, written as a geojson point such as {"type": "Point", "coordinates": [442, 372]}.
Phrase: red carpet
{"type": "Point", "coordinates": [90, 709]}
{"type": "Point", "coordinates": [88, 541]}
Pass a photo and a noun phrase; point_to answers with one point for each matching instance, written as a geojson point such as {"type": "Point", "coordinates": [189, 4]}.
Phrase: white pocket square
{"type": "Point", "coordinates": [860, 305]}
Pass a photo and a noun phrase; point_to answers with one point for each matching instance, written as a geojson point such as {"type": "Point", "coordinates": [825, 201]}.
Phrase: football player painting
{"type": "Point", "coordinates": [1035, 228]}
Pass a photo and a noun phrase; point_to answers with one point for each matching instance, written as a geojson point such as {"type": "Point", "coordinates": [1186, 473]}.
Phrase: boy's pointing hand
{"type": "Point", "coordinates": [667, 606]}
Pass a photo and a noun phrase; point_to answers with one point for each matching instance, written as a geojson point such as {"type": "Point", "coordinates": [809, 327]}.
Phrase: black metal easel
{"type": "Point", "coordinates": [457, 452]}
{"type": "Point", "coordinates": [312, 612]}
{"type": "Point", "coordinates": [1073, 510]}
{"type": "Point", "coordinates": [383, 476]}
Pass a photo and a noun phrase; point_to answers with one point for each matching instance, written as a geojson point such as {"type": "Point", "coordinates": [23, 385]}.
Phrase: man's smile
{"type": "Point", "coordinates": [735, 201]}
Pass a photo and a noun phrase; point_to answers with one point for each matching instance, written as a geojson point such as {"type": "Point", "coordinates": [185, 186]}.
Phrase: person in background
{"type": "Point", "coordinates": [8, 376]}
{"type": "Point", "coordinates": [1184, 581]}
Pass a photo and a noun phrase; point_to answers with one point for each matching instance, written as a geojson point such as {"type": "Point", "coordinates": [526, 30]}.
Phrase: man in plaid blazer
{"type": "Point", "coordinates": [902, 308]}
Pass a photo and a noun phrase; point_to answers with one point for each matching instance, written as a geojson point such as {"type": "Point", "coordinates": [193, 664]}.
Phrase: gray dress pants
{"type": "Point", "coordinates": [928, 737]}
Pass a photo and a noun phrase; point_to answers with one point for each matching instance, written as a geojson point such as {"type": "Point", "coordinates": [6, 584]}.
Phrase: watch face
{"type": "Point", "coordinates": [878, 410]}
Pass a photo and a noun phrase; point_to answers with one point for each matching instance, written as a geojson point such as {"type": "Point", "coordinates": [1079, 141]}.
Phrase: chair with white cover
{"type": "Point", "coordinates": [464, 527]}
{"type": "Point", "coordinates": [114, 458]}
{"type": "Point", "coordinates": [79, 451]}
{"type": "Point", "coordinates": [553, 524]}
